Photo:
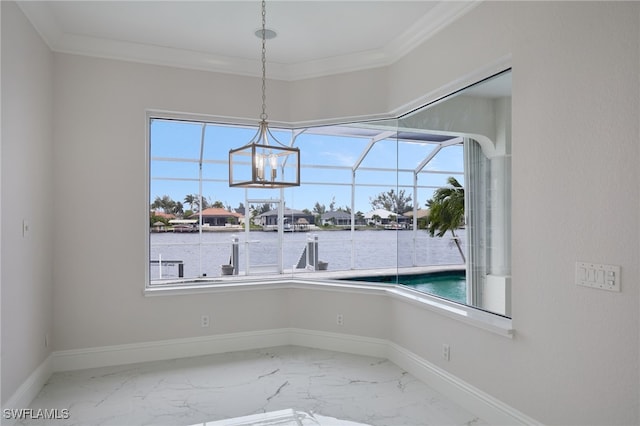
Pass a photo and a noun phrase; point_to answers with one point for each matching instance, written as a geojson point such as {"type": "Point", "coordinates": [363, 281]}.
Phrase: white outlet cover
{"type": "Point", "coordinates": [204, 321]}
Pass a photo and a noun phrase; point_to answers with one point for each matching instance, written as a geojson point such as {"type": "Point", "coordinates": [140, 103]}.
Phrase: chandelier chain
{"type": "Point", "coordinates": [263, 116]}
{"type": "Point", "coordinates": [272, 165]}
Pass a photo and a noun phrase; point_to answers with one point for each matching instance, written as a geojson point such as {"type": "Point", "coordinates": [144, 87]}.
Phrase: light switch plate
{"type": "Point", "coordinates": [596, 275]}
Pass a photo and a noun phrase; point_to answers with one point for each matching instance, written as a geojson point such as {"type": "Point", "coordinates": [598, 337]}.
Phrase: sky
{"type": "Point", "coordinates": [174, 170]}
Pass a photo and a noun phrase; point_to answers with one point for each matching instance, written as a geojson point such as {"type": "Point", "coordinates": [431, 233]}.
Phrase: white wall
{"type": "Point", "coordinates": [27, 172]}
{"type": "Point", "coordinates": [575, 197]}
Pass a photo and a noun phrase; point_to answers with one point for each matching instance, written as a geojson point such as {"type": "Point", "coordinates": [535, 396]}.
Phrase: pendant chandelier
{"type": "Point", "coordinates": [264, 162]}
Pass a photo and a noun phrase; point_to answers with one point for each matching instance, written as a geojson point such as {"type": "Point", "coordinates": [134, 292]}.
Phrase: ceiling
{"type": "Point", "coordinates": [315, 38]}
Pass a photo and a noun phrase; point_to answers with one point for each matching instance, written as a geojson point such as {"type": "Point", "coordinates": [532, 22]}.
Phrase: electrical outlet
{"type": "Point", "coordinates": [204, 321]}
{"type": "Point", "coordinates": [339, 319]}
{"type": "Point", "coordinates": [446, 352]}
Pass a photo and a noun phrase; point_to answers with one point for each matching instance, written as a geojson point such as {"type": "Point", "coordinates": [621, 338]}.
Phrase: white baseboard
{"type": "Point", "coordinates": [79, 359]}
{"type": "Point", "coordinates": [485, 406]}
{"type": "Point", "coordinates": [29, 389]}
{"type": "Point", "coordinates": [338, 342]}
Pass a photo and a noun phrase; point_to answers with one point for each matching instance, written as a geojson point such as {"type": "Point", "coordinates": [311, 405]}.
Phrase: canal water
{"type": "Point", "coordinates": [203, 254]}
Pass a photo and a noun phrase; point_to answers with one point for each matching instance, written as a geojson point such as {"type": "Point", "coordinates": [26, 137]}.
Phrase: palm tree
{"type": "Point", "coordinates": [446, 211]}
{"type": "Point", "coordinates": [192, 200]}
{"type": "Point", "coordinates": [166, 204]}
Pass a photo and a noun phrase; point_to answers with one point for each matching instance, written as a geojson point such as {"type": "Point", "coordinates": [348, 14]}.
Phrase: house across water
{"type": "Point", "coordinates": [294, 220]}
{"type": "Point", "coordinates": [215, 216]}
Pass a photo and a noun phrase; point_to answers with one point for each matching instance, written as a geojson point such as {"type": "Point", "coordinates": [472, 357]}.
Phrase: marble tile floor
{"type": "Point", "coordinates": [212, 388]}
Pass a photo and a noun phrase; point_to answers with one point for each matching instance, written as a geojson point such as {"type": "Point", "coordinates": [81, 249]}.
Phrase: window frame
{"type": "Point", "coordinates": [471, 314]}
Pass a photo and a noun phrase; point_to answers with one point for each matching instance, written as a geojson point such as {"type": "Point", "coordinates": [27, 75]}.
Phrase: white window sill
{"type": "Point", "coordinates": [475, 317]}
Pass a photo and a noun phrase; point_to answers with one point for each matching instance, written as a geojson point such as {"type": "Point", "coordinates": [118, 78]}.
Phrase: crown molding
{"type": "Point", "coordinates": [42, 18]}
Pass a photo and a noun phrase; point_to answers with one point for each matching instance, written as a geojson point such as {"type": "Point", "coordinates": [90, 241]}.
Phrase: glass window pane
{"type": "Point", "coordinates": [393, 174]}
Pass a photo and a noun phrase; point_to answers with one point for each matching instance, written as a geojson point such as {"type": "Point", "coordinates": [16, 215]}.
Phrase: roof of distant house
{"type": "Point", "coordinates": [335, 215]}
{"type": "Point", "coordinates": [219, 212]}
{"type": "Point", "coordinates": [163, 215]}
{"type": "Point", "coordinates": [287, 212]}
{"type": "Point", "coordinates": [382, 213]}
{"type": "Point", "coordinates": [420, 213]}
